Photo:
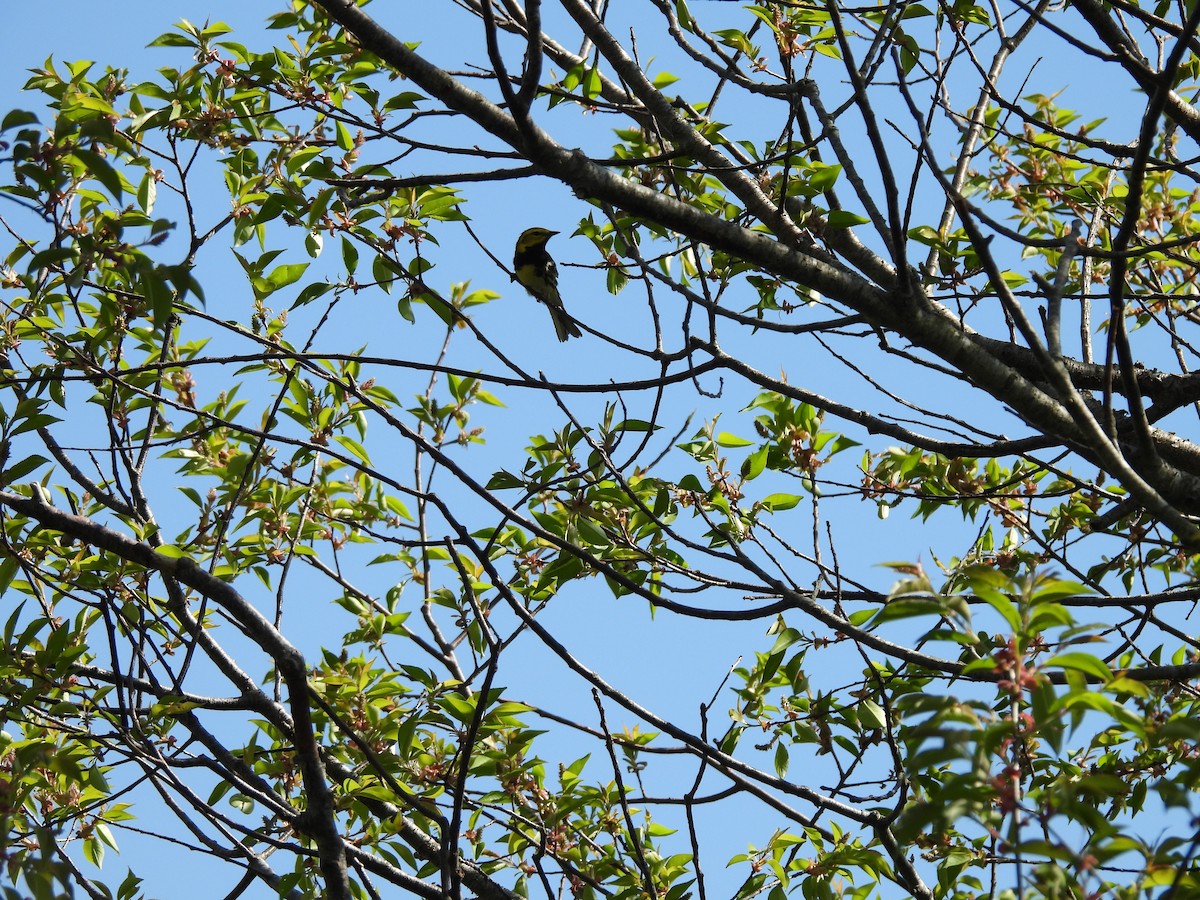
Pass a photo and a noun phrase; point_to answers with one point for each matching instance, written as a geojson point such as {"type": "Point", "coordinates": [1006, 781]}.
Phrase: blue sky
{"type": "Point", "coordinates": [616, 636]}
{"type": "Point", "coordinates": [616, 639]}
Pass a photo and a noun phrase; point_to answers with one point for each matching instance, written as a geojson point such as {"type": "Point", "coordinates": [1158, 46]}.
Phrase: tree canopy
{"type": "Point", "coordinates": [328, 570]}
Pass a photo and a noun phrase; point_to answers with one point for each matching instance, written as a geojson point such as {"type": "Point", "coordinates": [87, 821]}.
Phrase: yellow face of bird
{"type": "Point", "coordinates": [534, 237]}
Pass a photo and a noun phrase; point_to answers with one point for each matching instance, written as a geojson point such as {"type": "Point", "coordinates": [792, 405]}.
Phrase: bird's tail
{"type": "Point", "coordinates": [564, 325]}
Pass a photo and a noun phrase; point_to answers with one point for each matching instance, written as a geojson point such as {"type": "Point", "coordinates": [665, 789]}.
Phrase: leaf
{"type": "Point", "coordinates": [16, 118]}
{"type": "Point", "coordinates": [785, 639]}
{"type": "Point", "coordinates": [171, 39]}
{"type": "Point", "coordinates": [841, 218]}
{"type": "Point", "coordinates": [1082, 662]}
{"type": "Point", "coordinates": [355, 448]}
{"type": "Point", "coordinates": [147, 193]}
{"type": "Point", "coordinates": [9, 567]}
{"type": "Point", "coordinates": [725, 439]}
{"type": "Point", "coordinates": [99, 168]}
{"type": "Point", "coordinates": [503, 480]}
{"type": "Point", "coordinates": [616, 280]}
{"type": "Point", "coordinates": [349, 255]}
{"type": "Point", "coordinates": [299, 160]}
{"type": "Point", "coordinates": [1057, 589]}
{"type": "Point", "coordinates": [290, 273]}
{"type": "Point", "coordinates": [17, 471]}
{"type": "Point", "coordinates": [822, 177]}
{"type": "Point", "coordinates": [311, 293]}
{"type": "Point", "coordinates": [1002, 605]}
{"type": "Point", "coordinates": [345, 140]}
{"type": "Point", "coordinates": [871, 715]}
{"type": "Point", "coordinates": [93, 851]}
{"type": "Point", "coordinates": [780, 502]}
{"type": "Point", "coordinates": [684, 15]}
{"type": "Point", "coordinates": [592, 533]}
{"type": "Point", "coordinates": [781, 760]}
{"type": "Point", "coordinates": [755, 463]}
{"type": "Point", "coordinates": [314, 242]}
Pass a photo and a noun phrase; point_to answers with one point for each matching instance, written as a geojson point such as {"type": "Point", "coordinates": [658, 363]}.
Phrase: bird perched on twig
{"type": "Point", "coordinates": [538, 274]}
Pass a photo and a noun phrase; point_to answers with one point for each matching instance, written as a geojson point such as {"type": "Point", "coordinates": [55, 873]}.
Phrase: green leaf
{"type": "Point", "coordinates": [354, 447]}
{"type": "Point", "coordinates": [1082, 662]}
{"type": "Point", "coordinates": [16, 118]}
{"type": "Point", "coordinates": [725, 439]}
{"type": "Point", "coordinates": [755, 463]}
{"type": "Point", "coordinates": [616, 280]}
{"type": "Point", "coordinates": [17, 471]}
{"type": "Point", "coordinates": [349, 255]}
{"type": "Point", "coordinates": [171, 39]}
{"type": "Point", "coordinates": [1002, 605]}
{"type": "Point", "coordinates": [822, 177]}
{"type": "Point", "coordinates": [311, 293]}
{"type": "Point", "coordinates": [871, 715]}
{"type": "Point", "coordinates": [282, 276]}
{"type": "Point", "coordinates": [841, 218]}
{"type": "Point", "coordinates": [147, 193]}
{"type": "Point", "coordinates": [345, 140]}
{"type": "Point", "coordinates": [9, 567]}
{"type": "Point", "coordinates": [781, 759]}
{"type": "Point", "coordinates": [299, 160]}
{"type": "Point", "coordinates": [502, 480]}
{"type": "Point", "coordinates": [314, 242]}
{"type": "Point", "coordinates": [99, 168]}
{"type": "Point", "coordinates": [684, 15]}
{"type": "Point", "coordinates": [780, 502]}
{"type": "Point", "coordinates": [591, 533]}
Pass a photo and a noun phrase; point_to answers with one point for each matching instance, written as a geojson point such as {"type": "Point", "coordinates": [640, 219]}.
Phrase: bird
{"type": "Point", "coordinates": [537, 273]}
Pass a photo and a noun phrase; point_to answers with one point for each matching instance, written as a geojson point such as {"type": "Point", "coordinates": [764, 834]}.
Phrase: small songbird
{"type": "Point", "coordinates": [538, 274]}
